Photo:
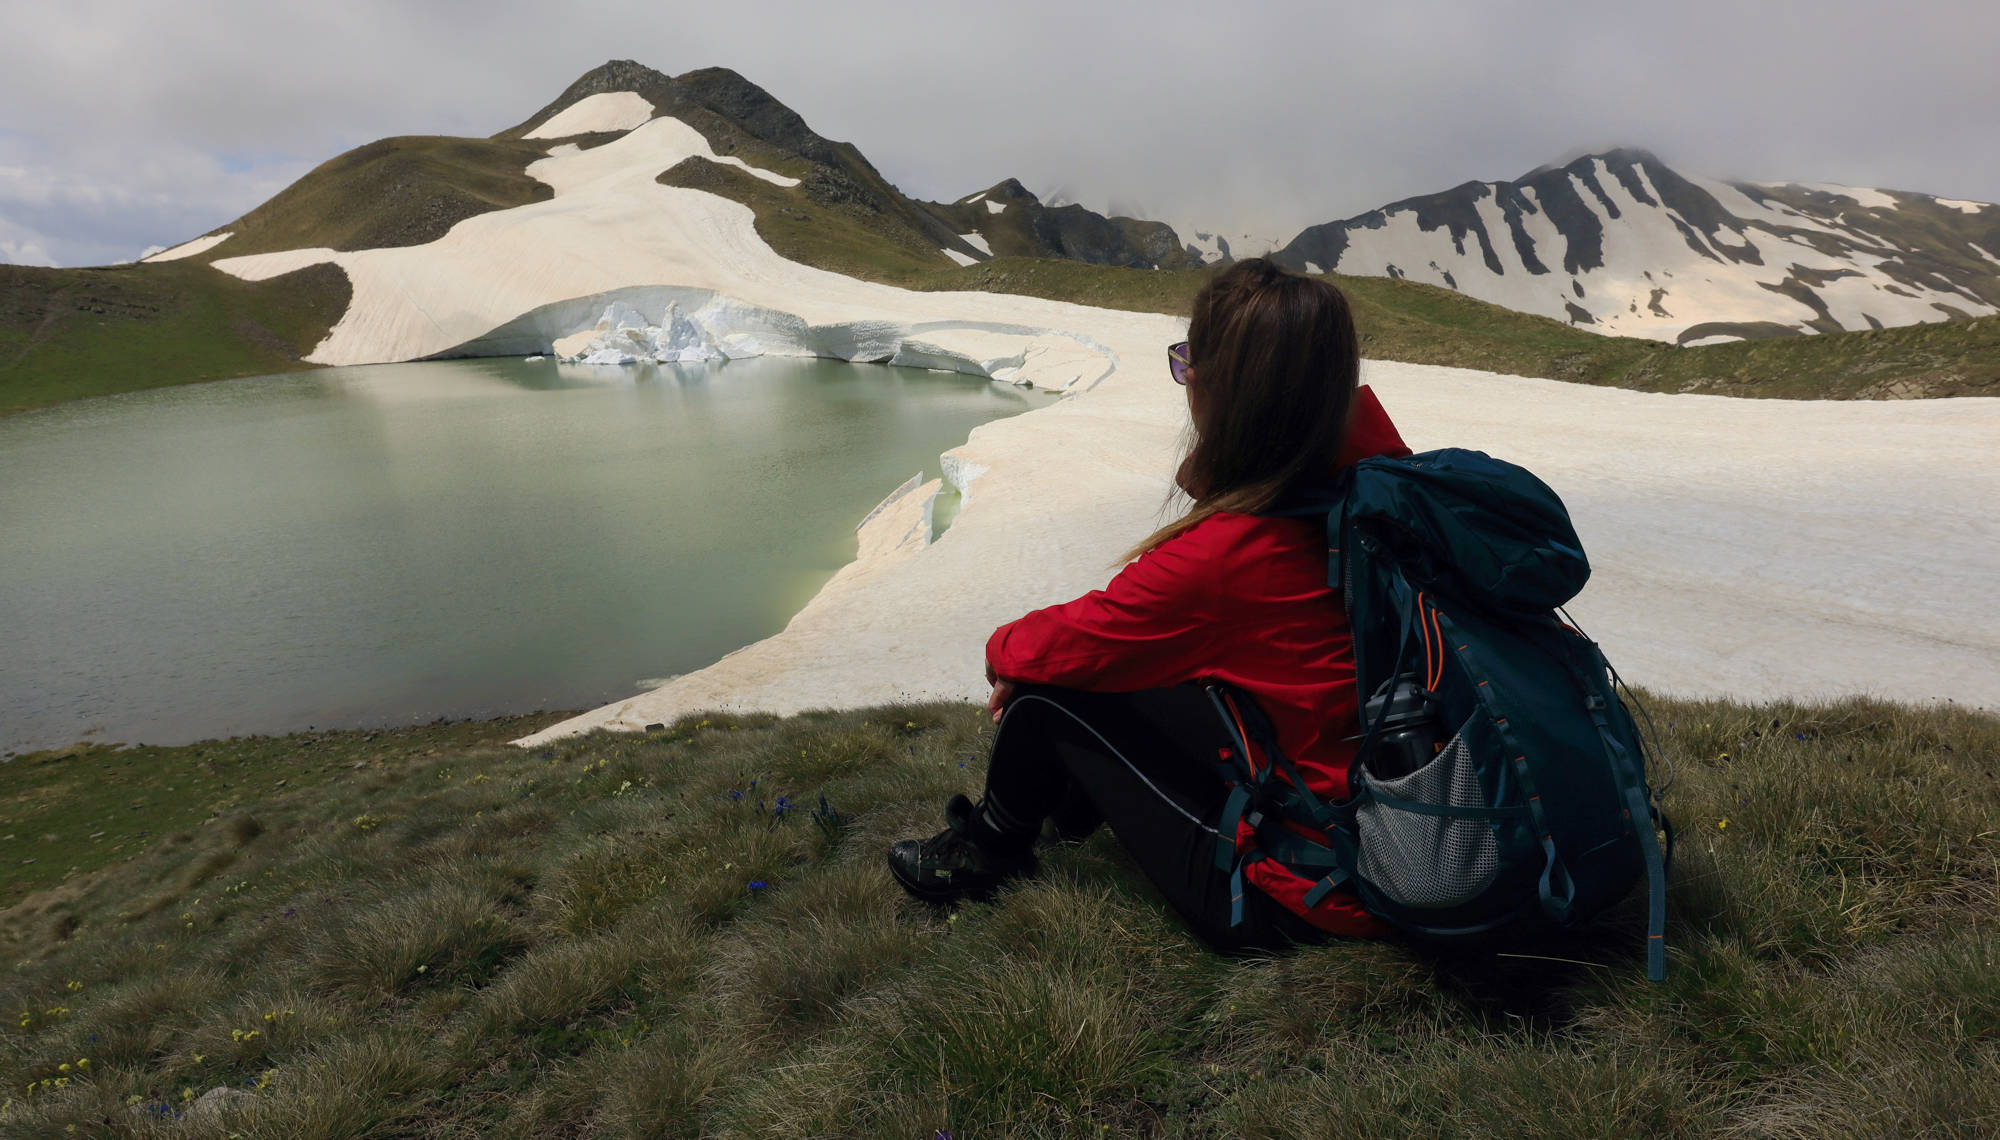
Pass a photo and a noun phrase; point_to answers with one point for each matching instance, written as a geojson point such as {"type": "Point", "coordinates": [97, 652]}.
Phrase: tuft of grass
{"type": "Point", "coordinates": [437, 934]}
{"type": "Point", "coordinates": [427, 932]}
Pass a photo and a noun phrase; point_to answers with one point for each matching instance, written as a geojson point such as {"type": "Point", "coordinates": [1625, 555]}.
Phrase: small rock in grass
{"type": "Point", "coordinates": [214, 1103]}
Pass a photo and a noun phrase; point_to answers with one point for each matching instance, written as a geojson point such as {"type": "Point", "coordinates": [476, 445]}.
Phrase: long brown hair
{"type": "Point", "coordinates": [1275, 363]}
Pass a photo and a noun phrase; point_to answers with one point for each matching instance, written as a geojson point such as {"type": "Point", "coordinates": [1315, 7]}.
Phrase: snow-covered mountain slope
{"type": "Point", "coordinates": [741, 119]}
{"type": "Point", "coordinates": [1008, 220]}
{"type": "Point", "coordinates": [1622, 244]}
{"type": "Point", "coordinates": [412, 190]}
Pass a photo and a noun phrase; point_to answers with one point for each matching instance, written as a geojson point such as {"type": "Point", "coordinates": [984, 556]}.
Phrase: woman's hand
{"type": "Point", "coordinates": [1003, 691]}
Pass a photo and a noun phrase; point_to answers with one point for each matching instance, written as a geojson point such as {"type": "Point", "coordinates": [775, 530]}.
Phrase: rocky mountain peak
{"type": "Point", "coordinates": [730, 95]}
{"type": "Point", "coordinates": [605, 79]}
{"type": "Point", "coordinates": [1011, 190]}
{"type": "Point", "coordinates": [1582, 158]}
{"type": "Point", "coordinates": [612, 75]}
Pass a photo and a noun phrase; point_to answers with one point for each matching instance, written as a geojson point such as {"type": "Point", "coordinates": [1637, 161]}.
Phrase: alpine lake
{"type": "Point", "coordinates": [393, 544]}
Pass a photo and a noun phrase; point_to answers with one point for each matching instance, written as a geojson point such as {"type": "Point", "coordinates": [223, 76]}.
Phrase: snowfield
{"type": "Point", "coordinates": [608, 111]}
{"type": "Point", "coordinates": [190, 248]}
{"type": "Point", "coordinates": [1749, 549]}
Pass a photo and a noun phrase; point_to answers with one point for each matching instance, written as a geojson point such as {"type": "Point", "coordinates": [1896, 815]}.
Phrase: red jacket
{"type": "Point", "coordinates": [1238, 598]}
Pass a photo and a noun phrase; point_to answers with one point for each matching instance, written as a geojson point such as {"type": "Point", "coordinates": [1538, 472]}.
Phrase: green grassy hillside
{"type": "Point", "coordinates": [392, 192]}
{"type": "Point", "coordinates": [839, 234]}
{"type": "Point", "coordinates": [429, 933]}
{"type": "Point", "coordinates": [70, 333]}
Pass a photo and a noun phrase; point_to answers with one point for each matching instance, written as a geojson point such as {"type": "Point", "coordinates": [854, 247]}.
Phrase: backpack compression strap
{"type": "Point", "coordinates": [1642, 817]}
{"type": "Point", "coordinates": [1254, 793]}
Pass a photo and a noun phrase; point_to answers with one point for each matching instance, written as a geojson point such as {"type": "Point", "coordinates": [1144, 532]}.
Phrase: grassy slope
{"type": "Point", "coordinates": [393, 192]}
{"type": "Point", "coordinates": [428, 933]}
{"type": "Point", "coordinates": [842, 237]}
{"type": "Point", "coordinates": [70, 333]}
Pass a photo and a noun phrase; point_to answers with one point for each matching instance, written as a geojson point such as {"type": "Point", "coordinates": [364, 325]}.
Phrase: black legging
{"type": "Point", "coordinates": [1146, 763]}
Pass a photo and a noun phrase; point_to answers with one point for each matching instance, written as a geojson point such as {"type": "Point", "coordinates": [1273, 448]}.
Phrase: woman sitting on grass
{"type": "Point", "coordinates": [1099, 701]}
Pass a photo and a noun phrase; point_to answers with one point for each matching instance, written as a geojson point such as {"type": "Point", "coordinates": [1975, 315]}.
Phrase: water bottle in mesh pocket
{"type": "Point", "coordinates": [1412, 848]}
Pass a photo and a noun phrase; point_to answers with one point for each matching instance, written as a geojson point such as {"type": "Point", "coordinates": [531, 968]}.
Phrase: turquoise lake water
{"type": "Point", "coordinates": [397, 543]}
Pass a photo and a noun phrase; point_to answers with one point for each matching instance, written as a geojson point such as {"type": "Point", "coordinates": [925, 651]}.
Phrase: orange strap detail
{"type": "Point", "coordinates": [1249, 756]}
{"type": "Point", "coordinates": [1437, 678]}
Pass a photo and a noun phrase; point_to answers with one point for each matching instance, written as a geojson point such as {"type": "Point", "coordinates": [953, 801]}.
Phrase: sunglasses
{"type": "Point", "coordinates": [1178, 362]}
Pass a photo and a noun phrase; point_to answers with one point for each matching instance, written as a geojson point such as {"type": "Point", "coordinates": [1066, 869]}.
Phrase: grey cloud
{"type": "Point", "coordinates": [165, 120]}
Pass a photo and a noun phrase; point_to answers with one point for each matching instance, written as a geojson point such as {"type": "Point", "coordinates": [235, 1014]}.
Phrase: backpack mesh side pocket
{"type": "Point", "coordinates": [1421, 859]}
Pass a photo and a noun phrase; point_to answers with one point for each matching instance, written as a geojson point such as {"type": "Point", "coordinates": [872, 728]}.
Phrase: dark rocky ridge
{"type": "Point", "coordinates": [1029, 228]}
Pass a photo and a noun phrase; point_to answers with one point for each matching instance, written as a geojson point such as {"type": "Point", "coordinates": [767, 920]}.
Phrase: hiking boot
{"type": "Point", "coordinates": [955, 863]}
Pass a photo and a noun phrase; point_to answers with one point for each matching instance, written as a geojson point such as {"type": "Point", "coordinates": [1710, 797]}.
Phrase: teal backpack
{"type": "Point", "coordinates": [1499, 779]}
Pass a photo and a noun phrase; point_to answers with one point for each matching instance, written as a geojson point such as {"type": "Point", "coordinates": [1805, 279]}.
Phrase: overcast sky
{"type": "Point", "coordinates": [128, 125]}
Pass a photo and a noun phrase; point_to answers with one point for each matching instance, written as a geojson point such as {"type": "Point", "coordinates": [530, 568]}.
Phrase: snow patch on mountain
{"type": "Point", "coordinates": [189, 248]}
{"type": "Point", "coordinates": [1213, 246]}
{"type": "Point", "coordinates": [1963, 206]}
{"type": "Point", "coordinates": [1864, 197]}
{"type": "Point", "coordinates": [593, 114]}
{"type": "Point", "coordinates": [659, 145]}
{"type": "Point", "coordinates": [993, 207]}
{"type": "Point", "coordinates": [961, 258]}
{"type": "Point", "coordinates": [978, 242]}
